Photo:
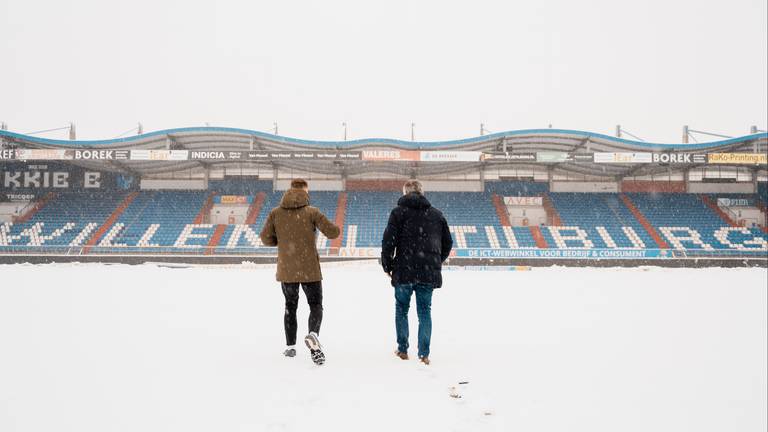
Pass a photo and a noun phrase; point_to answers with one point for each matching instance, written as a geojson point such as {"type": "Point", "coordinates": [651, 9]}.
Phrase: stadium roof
{"type": "Point", "coordinates": [520, 142]}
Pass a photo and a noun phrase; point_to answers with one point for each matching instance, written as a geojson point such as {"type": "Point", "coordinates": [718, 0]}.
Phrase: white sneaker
{"type": "Point", "coordinates": [315, 349]}
{"type": "Point", "coordinates": [313, 342]}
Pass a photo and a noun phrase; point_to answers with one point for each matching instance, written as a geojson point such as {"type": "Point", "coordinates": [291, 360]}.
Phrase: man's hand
{"type": "Point", "coordinates": [388, 274]}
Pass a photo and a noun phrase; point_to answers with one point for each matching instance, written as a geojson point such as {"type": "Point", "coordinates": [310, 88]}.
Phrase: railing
{"type": "Point", "coordinates": [18, 212]}
{"type": "Point", "coordinates": [358, 253]}
{"type": "Point", "coordinates": [738, 220]}
{"type": "Point", "coordinates": [148, 250]}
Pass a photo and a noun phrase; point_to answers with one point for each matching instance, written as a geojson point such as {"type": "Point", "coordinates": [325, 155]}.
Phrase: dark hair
{"type": "Point", "coordinates": [299, 184]}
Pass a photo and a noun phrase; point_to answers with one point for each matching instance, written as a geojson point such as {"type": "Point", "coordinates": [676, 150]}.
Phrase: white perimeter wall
{"type": "Point", "coordinates": [314, 185]}
{"type": "Point", "coordinates": [220, 213]}
{"type": "Point", "coordinates": [154, 184]}
{"type": "Point", "coordinates": [429, 185]}
{"type": "Point", "coordinates": [749, 216]}
{"type": "Point", "coordinates": [535, 215]}
{"type": "Point", "coordinates": [10, 209]}
{"type": "Point", "coordinates": [696, 187]}
{"type": "Point", "coordinates": [538, 173]}
{"type": "Point", "coordinates": [451, 186]}
{"type": "Point", "coordinates": [577, 186]}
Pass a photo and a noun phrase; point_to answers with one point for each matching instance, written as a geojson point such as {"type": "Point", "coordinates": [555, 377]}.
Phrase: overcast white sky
{"type": "Point", "coordinates": [650, 65]}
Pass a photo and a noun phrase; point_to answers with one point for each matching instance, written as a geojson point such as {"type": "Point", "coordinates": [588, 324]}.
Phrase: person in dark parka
{"type": "Point", "coordinates": [292, 227]}
{"type": "Point", "coordinates": [415, 244]}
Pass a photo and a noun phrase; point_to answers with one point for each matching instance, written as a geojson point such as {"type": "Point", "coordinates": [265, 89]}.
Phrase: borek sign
{"type": "Point", "coordinates": [679, 158]}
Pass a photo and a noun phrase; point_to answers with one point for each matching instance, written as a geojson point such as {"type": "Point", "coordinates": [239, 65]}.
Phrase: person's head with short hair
{"type": "Point", "coordinates": [299, 184]}
{"type": "Point", "coordinates": [412, 186]}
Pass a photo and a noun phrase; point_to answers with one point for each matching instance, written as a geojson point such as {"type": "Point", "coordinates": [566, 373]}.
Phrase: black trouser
{"type": "Point", "coordinates": [314, 293]}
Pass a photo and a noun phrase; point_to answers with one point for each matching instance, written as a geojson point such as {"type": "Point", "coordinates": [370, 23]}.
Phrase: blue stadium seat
{"type": "Point", "coordinates": [66, 221]}
{"type": "Point", "coordinates": [681, 216]}
{"type": "Point", "coordinates": [155, 220]}
{"type": "Point", "coordinates": [369, 212]}
{"type": "Point", "coordinates": [171, 210]}
{"type": "Point", "coordinates": [325, 201]}
{"type": "Point", "coordinates": [588, 211]}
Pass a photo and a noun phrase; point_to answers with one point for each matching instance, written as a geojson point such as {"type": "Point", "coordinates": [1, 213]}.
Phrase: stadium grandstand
{"type": "Point", "coordinates": [537, 195]}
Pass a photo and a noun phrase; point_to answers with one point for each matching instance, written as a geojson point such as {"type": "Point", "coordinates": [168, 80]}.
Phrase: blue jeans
{"type": "Point", "coordinates": [423, 310]}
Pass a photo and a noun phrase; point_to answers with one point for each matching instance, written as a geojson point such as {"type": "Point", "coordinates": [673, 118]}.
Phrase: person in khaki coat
{"type": "Point", "coordinates": [292, 227]}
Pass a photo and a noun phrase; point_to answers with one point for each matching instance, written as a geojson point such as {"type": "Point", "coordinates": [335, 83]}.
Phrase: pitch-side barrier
{"type": "Point", "coordinates": [459, 257]}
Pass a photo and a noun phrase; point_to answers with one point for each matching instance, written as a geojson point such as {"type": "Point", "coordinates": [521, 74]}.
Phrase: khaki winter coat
{"type": "Point", "coordinates": [291, 227]}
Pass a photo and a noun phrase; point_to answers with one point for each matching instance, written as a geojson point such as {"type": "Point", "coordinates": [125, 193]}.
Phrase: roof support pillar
{"type": "Point", "coordinates": [482, 177]}
{"type": "Point", "coordinates": [753, 172]}
{"type": "Point", "coordinates": [274, 177]}
{"type": "Point", "coordinates": [550, 176]}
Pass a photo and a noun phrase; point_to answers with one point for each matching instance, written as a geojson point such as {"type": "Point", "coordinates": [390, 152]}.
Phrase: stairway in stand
{"type": "Point", "coordinates": [109, 222]}
{"type": "Point", "coordinates": [549, 207]}
{"type": "Point", "coordinates": [713, 205]}
{"type": "Point", "coordinates": [255, 208]}
{"type": "Point", "coordinates": [660, 242]}
{"type": "Point", "coordinates": [206, 210]}
{"type": "Point", "coordinates": [218, 233]}
{"type": "Point", "coordinates": [501, 210]}
{"type": "Point", "coordinates": [341, 213]}
{"type": "Point", "coordinates": [541, 242]}
{"type": "Point", "coordinates": [35, 208]}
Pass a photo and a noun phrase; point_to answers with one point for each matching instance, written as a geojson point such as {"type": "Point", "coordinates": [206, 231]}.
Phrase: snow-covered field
{"type": "Point", "coordinates": [120, 348]}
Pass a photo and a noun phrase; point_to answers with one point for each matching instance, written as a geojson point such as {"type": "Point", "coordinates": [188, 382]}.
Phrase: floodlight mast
{"type": "Point", "coordinates": [687, 133]}
{"type": "Point", "coordinates": [620, 130]}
